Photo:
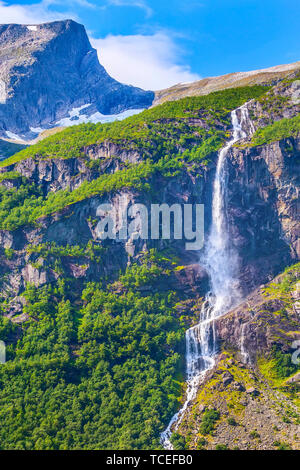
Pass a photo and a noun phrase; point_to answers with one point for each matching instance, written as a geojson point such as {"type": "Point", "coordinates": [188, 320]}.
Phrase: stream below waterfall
{"type": "Point", "coordinates": [221, 262]}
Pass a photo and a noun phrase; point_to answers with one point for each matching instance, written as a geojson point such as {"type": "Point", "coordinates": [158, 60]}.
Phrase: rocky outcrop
{"type": "Point", "coordinates": [261, 322]}
{"type": "Point", "coordinates": [56, 174]}
{"type": "Point", "coordinates": [110, 149]}
{"type": "Point", "coordinates": [48, 70]}
{"type": "Point", "coordinates": [251, 415]}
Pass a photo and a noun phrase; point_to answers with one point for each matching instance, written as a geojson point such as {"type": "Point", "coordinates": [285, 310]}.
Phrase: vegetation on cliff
{"type": "Point", "coordinates": [282, 129]}
{"type": "Point", "coordinates": [97, 373]}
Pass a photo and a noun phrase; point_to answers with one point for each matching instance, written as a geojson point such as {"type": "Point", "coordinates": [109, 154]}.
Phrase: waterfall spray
{"type": "Point", "coordinates": [221, 262]}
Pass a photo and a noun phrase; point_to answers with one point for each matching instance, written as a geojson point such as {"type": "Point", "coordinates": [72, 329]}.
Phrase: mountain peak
{"type": "Point", "coordinates": [48, 70]}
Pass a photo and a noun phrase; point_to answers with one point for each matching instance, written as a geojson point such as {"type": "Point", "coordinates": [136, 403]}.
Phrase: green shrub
{"type": "Point", "coordinates": [178, 441]}
{"type": "Point", "coordinates": [254, 434]}
{"type": "Point", "coordinates": [286, 419]}
{"type": "Point", "coordinates": [201, 443]}
{"type": "Point", "coordinates": [283, 129]}
{"type": "Point", "coordinates": [9, 175]}
{"type": "Point", "coordinates": [221, 447]}
{"type": "Point", "coordinates": [210, 417]}
{"type": "Point", "coordinates": [9, 253]}
{"type": "Point", "coordinates": [282, 445]}
{"type": "Point", "coordinates": [284, 364]}
{"type": "Point", "coordinates": [231, 421]}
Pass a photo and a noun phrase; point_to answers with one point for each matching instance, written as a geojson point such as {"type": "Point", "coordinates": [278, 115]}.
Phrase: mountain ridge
{"type": "Point", "coordinates": [210, 84]}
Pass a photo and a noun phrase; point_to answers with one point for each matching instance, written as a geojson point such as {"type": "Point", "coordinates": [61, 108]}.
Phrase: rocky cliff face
{"type": "Point", "coordinates": [250, 413]}
{"type": "Point", "coordinates": [48, 70]}
{"type": "Point", "coordinates": [263, 209]}
{"type": "Point", "coordinates": [253, 386]}
{"type": "Point", "coordinates": [264, 320]}
{"type": "Point", "coordinates": [76, 225]}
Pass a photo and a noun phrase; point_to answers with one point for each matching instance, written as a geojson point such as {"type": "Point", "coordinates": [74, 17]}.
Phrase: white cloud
{"type": "Point", "coordinates": [44, 11]}
{"type": "Point", "coordinates": [81, 3]}
{"type": "Point", "coordinates": [30, 14]}
{"type": "Point", "coordinates": [149, 62]}
{"type": "Point", "coordinates": [132, 3]}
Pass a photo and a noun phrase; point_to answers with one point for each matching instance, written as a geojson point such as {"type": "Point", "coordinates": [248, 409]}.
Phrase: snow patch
{"type": "Point", "coordinates": [185, 83]}
{"type": "Point", "coordinates": [2, 92]}
{"type": "Point", "coordinates": [37, 130]}
{"type": "Point", "coordinates": [32, 28]}
{"type": "Point", "coordinates": [94, 118]}
{"type": "Point", "coordinates": [75, 112]}
{"type": "Point", "coordinates": [13, 136]}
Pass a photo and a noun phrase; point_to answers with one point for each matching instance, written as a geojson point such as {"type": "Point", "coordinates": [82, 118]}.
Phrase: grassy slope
{"type": "Point", "coordinates": [232, 80]}
{"type": "Point", "coordinates": [157, 132]}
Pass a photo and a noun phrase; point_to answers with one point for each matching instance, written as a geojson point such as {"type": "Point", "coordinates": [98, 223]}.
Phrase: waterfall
{"type": "Point", "coordinates": [221, 262]}
{"type": "Point", "coordinates": [244, 353]}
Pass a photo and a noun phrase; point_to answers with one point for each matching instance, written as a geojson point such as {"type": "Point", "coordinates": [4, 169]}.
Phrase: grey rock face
{"type": "Point", "coordinates": [263, 209]}
{"type": "Point", "coordinates": [47, 70]}
{"type": "Point", "coordinates": [257, 325]}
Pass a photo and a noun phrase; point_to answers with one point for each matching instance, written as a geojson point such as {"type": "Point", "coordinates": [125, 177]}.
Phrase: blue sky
{"type": "Point", "coordinates": [157, 43]}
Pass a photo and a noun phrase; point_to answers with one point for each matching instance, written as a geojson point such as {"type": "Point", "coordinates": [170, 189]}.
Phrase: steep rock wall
{"type": "Point", "coordinates": [263, 208]}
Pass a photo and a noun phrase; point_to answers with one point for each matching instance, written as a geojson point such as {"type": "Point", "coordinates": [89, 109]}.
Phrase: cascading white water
{"type": "Point", "coordinates": [220, 261]}
{"type": "Point", "coordinates": [244, 353]}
